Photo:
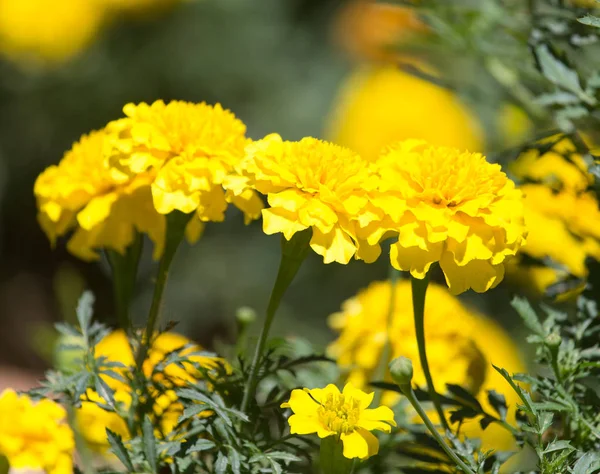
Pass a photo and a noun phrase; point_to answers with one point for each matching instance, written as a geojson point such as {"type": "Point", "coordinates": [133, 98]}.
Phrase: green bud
{"type": "Point", "coordinates": [401, 370]}
{"type": "Point", "coordinates": [245, 315]}
{"type": "Point", "coordinates": [553, 340]}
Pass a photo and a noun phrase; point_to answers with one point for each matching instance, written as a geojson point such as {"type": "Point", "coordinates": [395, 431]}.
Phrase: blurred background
{"type": "Point", "coordinates": [300, 68]}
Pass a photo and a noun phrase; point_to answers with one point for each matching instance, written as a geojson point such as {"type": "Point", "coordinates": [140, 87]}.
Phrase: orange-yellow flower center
{"type": "Point", "coordinates": [338, 413]}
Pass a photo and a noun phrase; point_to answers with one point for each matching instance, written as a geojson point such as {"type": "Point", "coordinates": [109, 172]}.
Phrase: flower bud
{"type": "Point", "coordinates": [401, 370]}
{"type": "Point", "coordinates": [245, 315]}
{"type": "Point", "coordinates": [553, 340]}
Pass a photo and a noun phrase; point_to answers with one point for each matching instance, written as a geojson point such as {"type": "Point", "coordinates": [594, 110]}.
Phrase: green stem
{"type": "Point", "coordinates": [419, 291]}
{"type": "Point", "coordinates": [124, 273]}
{"type": "Point", "coordinates": [410, 395]}
{"type": "Point", "coordinates": [176, 224]}
{"type": "Point", "coordinates": [293, 253]}
{"type": "Point", "coordinates": [386, 354]}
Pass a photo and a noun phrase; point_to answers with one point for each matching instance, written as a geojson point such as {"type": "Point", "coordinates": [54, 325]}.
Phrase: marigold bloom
{"type": "Point", "coordinates": [461, 346]}
{"type": "Point", "coordinates": [35, 435]}
{"type": "Point", "coordinates": [103, 209]}
{"type": "Point", "coordinates": [46, 30]}
{"type": "Point", "coordinates": [190, 149]}
{"type": "Point", "coordinates": [312, 184]}
{"type": "Point", "coordinates": [450, 207]}
{"type": "Point", "coordinates": [564, 229]}
{"type": "Point", "coordinates": [328, 412]}
{"type": "Point", "coordinates": [379, 105]}
{"type": "Point", "coordinates": [115, 347]}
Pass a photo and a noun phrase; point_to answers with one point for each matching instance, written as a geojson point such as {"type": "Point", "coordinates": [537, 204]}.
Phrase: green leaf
{"type": "Point", "coordinates": [525, 397]}
{"type": "Point", "coordinates": [221, 463]}
{"type": "Point", "coordinates": [283, 456]}
{"type": "Point", "coordinates": [234, 459]}
{"type": "Point", "coordinates": [464, 395]}
{"type": "Point", "coordinates": [529, 316]}
{"type": "Point", "coordinates": [498, 402]}
{"type": "Point", "coordinates": [119, 450]}
{"type": "Point", "coordinates": [149, 443]}
{"type": "Point", "coordinates": [201, 445]}
{"type": "Point", "coordinates": [589, 462]}
{"type": "Point", "coordinates": [85, 311]}
{"type": "Point", "coordinates": [590, 20]}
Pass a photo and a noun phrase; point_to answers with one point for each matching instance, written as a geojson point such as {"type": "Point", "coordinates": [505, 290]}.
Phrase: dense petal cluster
{"type": "Point", "coordinates": [379, 105]}
{"type": "Point", "coordinates": [35, 435]}
{"type": "Point", "coordinates": [461, 345]}
{"type": "Point", "coordinates": [312, 184]}
{"type": "Point", "coordinates": [105, 210]}
{"type": "Point", "coordinates": [328, 412]}
{"type": "Point", "coordinates": [190, 149]}
{"type": "Point", "coordinates": [93, 420]}
{"type": "Point", "coordinates": [450, 207]}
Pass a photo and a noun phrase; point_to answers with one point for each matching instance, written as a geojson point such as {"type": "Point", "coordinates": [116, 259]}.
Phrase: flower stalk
{"type": "Point", "coordinates": [331, 457]}
{"type": "Point", "coordinates": [419, 292]}
{"type": "Point", "coordinates": [293, 253]}
{"type": "Point", "coordinates": [124, 270]}
{"type": "Point", "coordinates": [176, 224]}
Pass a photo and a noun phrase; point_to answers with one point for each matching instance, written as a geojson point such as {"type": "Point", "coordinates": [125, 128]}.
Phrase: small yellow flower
{"type": "Point", "coordinates": [450, 207]}
{"type": "Point", "coordinates": [312, 184]}
{"type": "Point", "coordinates": [190, 149]}
{"type": "Point", "coordinates": [380, 105]}
{"type": "Point", "coordinates": [462, 346]}
{"type": "Point", "coordinates": [328, 412]}
{"type": "Point", "coordinates": [52, 31]}
{"type": "Point", "coordinates": [103, 210]}
{"type": "Point", "coordinates": [35, 435]}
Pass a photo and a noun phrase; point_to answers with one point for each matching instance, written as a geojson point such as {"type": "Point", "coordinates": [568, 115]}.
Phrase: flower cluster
{"type": "Point", "coordinates": [35, 435]}
{"type": "Point", "coordinates": [450, 207]}
{"type": "Point", "coordinates": [123, 179]}
{"type": "Point", "coordinates": [453, 333]}
{"type": "Point", "coordinates": [561, 215]}
{"type": "Point", "coordinates": [167, 409]}
{"type": "Point", "coordinates": [328, 412]}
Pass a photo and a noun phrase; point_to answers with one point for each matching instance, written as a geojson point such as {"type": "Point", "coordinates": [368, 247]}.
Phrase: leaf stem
{"type": "Point", "coordinates": [419, 291]}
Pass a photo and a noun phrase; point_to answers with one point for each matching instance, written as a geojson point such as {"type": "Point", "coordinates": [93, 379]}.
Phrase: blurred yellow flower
{"type": "Point", "coordinates": [379, 105]}
{"type": "Point", "coordinates": [450, 207]}
{"type": "Point", "coordinates": [167, 409]}
{"type": "Point", "coordinates": [514, 125]}
{"type": "Point", "coordinates": [564, 228]}
{"type": "Point", "coordinates": [35, 435]}
{"type": "Point", "coordinates": [190, 149]}
{"type": "Point", "coordinates": [48, 30]}
{"type": "Point", "coordinates": [312, 184]}
{"type": "Point", "coordinates": [560, 167]}
{"type": "Point", "coordinates": [82, 195]}
{"type": "Point", "coordinates": [461, 347]}
{"type": "Point", "coordinates": [328, 412]}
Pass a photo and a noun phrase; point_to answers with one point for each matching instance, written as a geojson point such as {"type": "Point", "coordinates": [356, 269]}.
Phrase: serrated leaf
{"type": "Point", "coordinates": [529, 316]}
{"type": "Point", "coordinates": [234, 460]}
{"type": "Point", "coordinates": [119, 450]}
{"type": "Point", "coordinates": [104, 391]}
{"type": "Point", "coordinates": [545, 421]}
{"type": "Point", "coordinates": [498, 403]}
{"type": "Point", "coordinates": [522, 393]}
{"type": "Point", "coordinates": [149, 443]}
{"type": "Point", "coordinates": [558, 445]}
{"type": "Point", "coordinates": [589, 462]}
{"type": "Point", "coordinates": [221, 463]}
{"type": "Point", "coordinates": [464, 395]}
{"type": "Point", "coordinates": [85, 310]}
{"type": "Point", "coordinates": [283, 456]}
{"type": "Point", "coordinates": [201, 445]}
{"type": "Point", "coordinates": [590, 20]}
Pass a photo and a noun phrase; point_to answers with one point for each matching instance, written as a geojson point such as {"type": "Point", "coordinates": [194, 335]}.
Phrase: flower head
{"type": "Point", "coordinates": [328, 412]}
{"type": "Point", "coordinates": [49, 31]}
{"type": "Point", "coordinates": [379, 105]}
{"type": "Point", "coordinates": [450, 207]}
{"type": "Point", "coordinates": [312, 184]}
{"type": "Point", "coordinates": [190, 149]}
{"type": "Point", "coordinates": [105, 210]}
{"type": "Point", "coordinates": [462, 345]}
{"type": "Point", "coordinates": [35, 435]}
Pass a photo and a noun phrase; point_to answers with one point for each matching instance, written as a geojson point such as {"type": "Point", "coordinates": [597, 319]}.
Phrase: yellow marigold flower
{"type": "Point", "coordinates": [312, 184]}
{"type": "Point", "coordinates": [514, 125]}
{"type": "Point", "coordinates": [461, 347]}
{"type": "Point", "coordinates": [190, 149]}
{"type": "Point", "coordinates": [560, 167]}
{"type": "Point", "coordinates": [167, 409]}
{"type": "Point", "coordinates": [81, 194]}
{"type": "Point", "coordinates": [379, 105]}
{"type": "Point", "coordinates": [450, 207]}
{"type": "Point", "coordinates": [46, 30]}
{"type": "Point", "coordinates": [35, 435]}
{"type": "Point", "coordinates": [564, 228]}
{"type": "Point", "coordinates": [328, 412]}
